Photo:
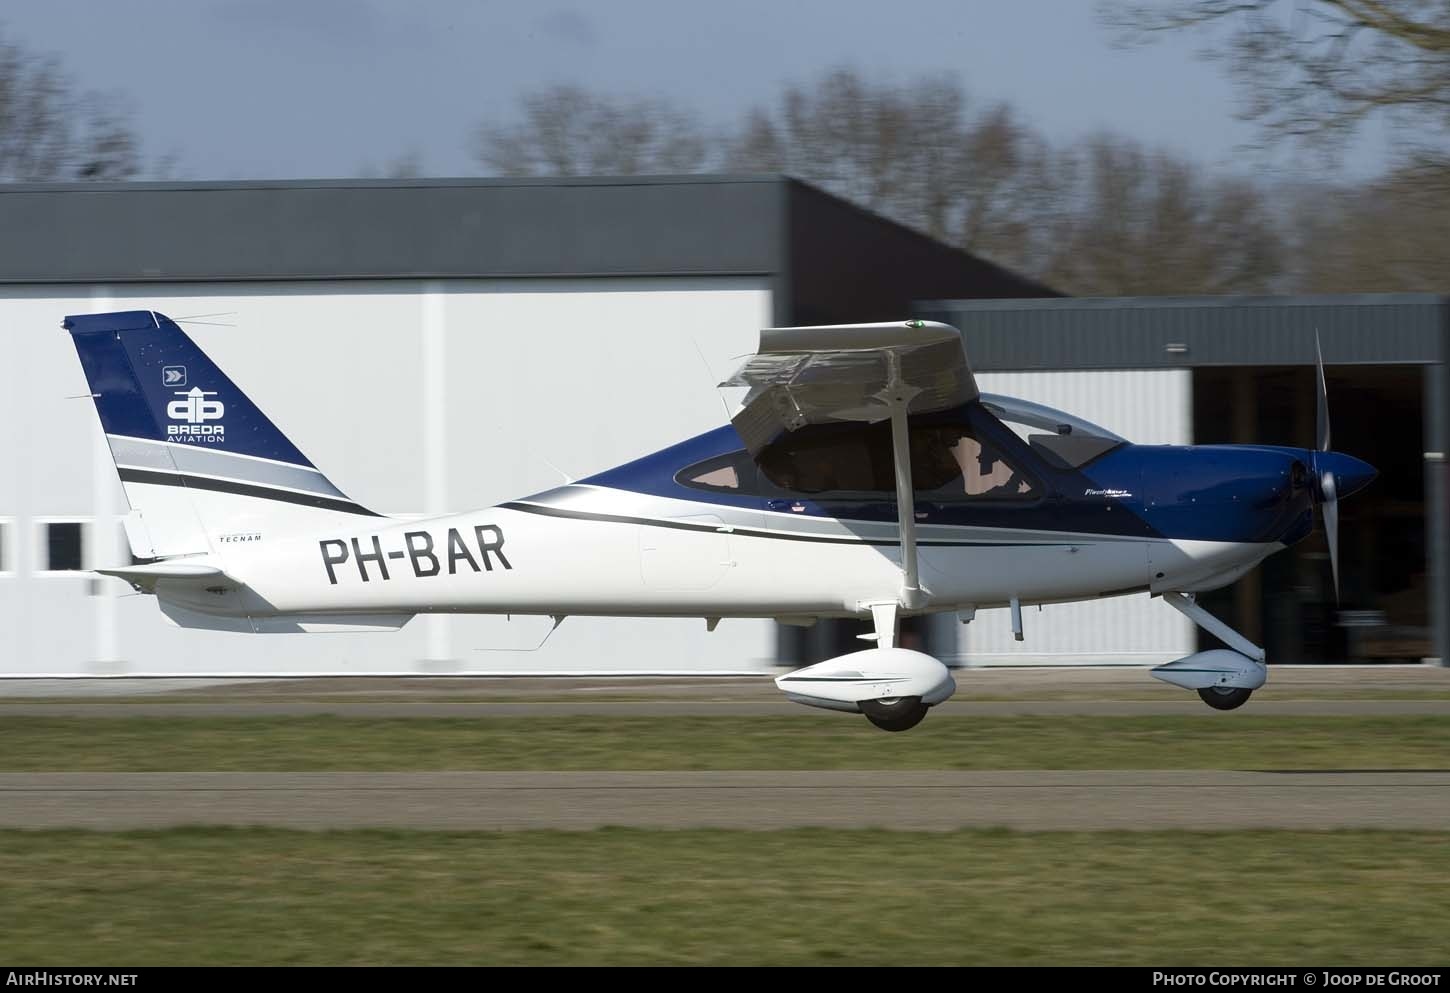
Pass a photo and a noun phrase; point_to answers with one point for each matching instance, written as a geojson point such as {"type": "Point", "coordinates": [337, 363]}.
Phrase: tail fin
{"type": "Point", "coordinates": [200, 464]}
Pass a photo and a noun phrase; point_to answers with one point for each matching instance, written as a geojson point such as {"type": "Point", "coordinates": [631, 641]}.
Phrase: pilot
{"type": "Point", "coordinates": [939, 467]}
{"type": "Point", "coordinates": [1013, 485]}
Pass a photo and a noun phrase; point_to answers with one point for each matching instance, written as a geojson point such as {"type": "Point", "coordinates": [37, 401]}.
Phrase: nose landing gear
{"type": "Point", "coordinates": [1224, 679]}
{"type": "Point", "coordinates": [1225, 697]}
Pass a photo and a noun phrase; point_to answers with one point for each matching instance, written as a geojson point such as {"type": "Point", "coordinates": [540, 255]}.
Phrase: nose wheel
{"type": "Point", "coordinates": [1224, 697]}
{"type": "Point", "coordinates": [1224, 678]}
{"type": "Point", "coordinates": [896, 714]}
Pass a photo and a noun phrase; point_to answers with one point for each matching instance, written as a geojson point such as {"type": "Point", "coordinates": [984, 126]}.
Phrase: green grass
{"type": "Point", "coordinates": [807, 741]}
{"type": "Point", "coordinates": [224, 897]}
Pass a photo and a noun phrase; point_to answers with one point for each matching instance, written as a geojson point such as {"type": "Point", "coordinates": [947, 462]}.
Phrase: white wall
{"type": "Point", "coordinates": [414, 397]}
{"type": "Point", "coordinates": [1150, 407]}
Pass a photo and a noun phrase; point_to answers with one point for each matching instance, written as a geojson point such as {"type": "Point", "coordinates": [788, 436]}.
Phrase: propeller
{"type": "Point", "coordinates": [1328, 487]}
{"type": "Point", "coordinates": [1337, 474]}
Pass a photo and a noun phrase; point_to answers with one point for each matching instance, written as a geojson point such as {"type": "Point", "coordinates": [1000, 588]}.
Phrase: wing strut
{"type": "Point", "coordinates": [897, 397]}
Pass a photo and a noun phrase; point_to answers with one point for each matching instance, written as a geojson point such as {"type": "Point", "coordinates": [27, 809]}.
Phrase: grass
{"type": "Point", "coordinates": [225, 897]}
{"type": "Point", "coordinates": [807, 741]}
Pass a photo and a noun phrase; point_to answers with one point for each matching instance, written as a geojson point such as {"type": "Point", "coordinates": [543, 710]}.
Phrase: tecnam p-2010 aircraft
{"type": "Point", "coordinates": [864, 476]}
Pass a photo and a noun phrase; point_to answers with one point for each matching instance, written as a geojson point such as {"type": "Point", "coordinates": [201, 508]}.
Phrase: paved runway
{"type": "Point", "coordinates": [1134, 800]}
{"type": "Point", "coordinates": [1113, 692]}
{"type": "Point", "coordinates": [1175, 703]}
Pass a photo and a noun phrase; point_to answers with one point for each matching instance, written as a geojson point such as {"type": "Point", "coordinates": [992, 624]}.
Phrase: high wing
{"type": "Point", "coordinates": [849, 372]}
{"type": "Point", "coordinates": [857, 372]}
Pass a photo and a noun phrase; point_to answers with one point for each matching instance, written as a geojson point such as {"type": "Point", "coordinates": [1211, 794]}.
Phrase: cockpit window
{"type": "Point", "coordinates": [855, 458]}
{"type": "Point", "coordinates": [727, 477]}
{"type": "Point", "coordinates": [948, 462]}
{"type": "Point", "coordinates": [726, 473]}
{"type": "Point", "coordinates": [1062, 439]}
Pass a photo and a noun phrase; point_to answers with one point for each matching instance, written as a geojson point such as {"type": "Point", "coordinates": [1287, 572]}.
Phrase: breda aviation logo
{"type": "Point", "coordinates": [196, 411]}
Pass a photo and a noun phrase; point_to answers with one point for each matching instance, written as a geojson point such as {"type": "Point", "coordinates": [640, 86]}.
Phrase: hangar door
{"type": "Point", "coordinates": [1152, 407]}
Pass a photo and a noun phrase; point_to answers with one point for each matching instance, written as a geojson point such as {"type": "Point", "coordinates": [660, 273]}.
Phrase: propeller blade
{"type": "Point", "coordinates": [1330, 507]}
{"type": "Point", "coordinates": [1322, 422]}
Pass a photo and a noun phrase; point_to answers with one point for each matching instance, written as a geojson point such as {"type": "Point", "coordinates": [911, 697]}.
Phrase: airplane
{"type": "Point", "coordinates": [864, 476]}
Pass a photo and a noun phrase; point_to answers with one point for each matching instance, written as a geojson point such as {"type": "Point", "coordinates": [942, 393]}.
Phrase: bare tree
{"type": "Point", "coordinates": [566, 131]}
{"type": "Point", "coordinates": [1101, 217]}
{"type": "Point", "coordinates": [896, 150]}
{"type": "Point", "coordinates": [1148, 223]}
{"type": "Point", "coordinates": [49, 131]}
{"type": "Point", "coordinates": [1316, 70]}
{"type": "Point", "coordinates": [1013, 192]}
{"type": "Point", "coordinates": [1104, 217]}
{"type": "Point", "coordinates": [1386, 237]}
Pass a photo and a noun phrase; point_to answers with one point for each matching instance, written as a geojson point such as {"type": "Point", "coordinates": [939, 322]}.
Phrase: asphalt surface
{"type": "Point", "coordinates": [1121, 691]}
{"type": "Point", "coordinates": [1177, 703]}
{"type": "Point", "coordinates": [922, 800]}
{"type": "Point", "coordinates": [1129, 800]}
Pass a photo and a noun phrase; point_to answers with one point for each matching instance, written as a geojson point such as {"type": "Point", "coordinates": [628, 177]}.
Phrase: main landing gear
{"type": "Point", "coordinates": [894, 714]}
{"type": "Point", "coordinates": [1224, 679]}
{"type": "Point", "coordinates": [894, 687]}
{"type": "Point", "coordinates": [1225, 697]}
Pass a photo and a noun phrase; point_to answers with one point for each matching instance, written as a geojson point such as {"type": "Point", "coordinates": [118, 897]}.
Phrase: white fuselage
{"type": "Point", "coordinates": [590, 550]}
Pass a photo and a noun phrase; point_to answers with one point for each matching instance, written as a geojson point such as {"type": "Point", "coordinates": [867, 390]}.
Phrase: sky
{"type": "Point", "coordinates": [274, 89]}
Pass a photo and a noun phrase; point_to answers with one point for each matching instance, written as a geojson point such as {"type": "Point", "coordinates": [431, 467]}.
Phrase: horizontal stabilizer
{"type": "Point", "coordinates": [184, 616]}
{"type": "Point", "coordinates": [145, 577]}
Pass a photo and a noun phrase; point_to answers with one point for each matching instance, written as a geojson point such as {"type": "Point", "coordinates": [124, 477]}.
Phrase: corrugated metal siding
{"type": "Point", "coordinates": [1149, 407]}
{"type": "Point", "coordinates": [1139, 333]}
{"type": "Point", "coordinates": [404, 425]}
{"type": "Point", "coordinates": [128, 232]}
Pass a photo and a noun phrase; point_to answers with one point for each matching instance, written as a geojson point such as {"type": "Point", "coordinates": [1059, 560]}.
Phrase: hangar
{"type": "Point", "coordinates": [1241, 370]}
{"type": "Point", "coordinates": [435, 345]}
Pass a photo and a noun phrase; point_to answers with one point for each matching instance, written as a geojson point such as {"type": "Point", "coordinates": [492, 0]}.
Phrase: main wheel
{"type": "Point", "coordinates": [1225, 697]}
{"type": "Point", "coordinates": [899, 714]}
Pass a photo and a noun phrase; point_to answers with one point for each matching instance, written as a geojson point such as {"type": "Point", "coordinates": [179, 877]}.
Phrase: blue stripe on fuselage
{"type": "Point", "coordinates": [1207, 493]}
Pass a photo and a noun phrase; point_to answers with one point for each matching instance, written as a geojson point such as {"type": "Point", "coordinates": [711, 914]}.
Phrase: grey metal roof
{"type": "Point", "coordinates": [94, 232]}
{"type": "Point", "coordinates": [1179, 332]}
{"type": "Point", "coordinates": [829, 261]}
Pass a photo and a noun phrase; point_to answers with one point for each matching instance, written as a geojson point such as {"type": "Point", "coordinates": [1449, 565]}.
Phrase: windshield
{"type": "Point", "coordinates": [1063, 439]}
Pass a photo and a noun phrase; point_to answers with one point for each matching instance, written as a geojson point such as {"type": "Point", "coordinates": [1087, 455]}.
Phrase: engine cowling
{"type": "Point", "coordinates": [843, 682]}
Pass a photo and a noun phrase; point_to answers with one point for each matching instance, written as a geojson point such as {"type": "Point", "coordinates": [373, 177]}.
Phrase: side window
{"type": "Point", "coordinates": [62, 546]}
{"type": "Point", "coordinates": [854, 459]}
{"type": "Point", "coordinates": [733, 473]}
{"type": "Point", "coordinates": [949, 463]}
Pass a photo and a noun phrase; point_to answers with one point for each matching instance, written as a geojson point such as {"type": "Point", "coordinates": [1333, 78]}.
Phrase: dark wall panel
{"type": "Point", "coordinates": [1147, 332]}
{"type": "Point", "coordinates": [362, 229]}
{"type": "Point", "coordinates": [849, 266]}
